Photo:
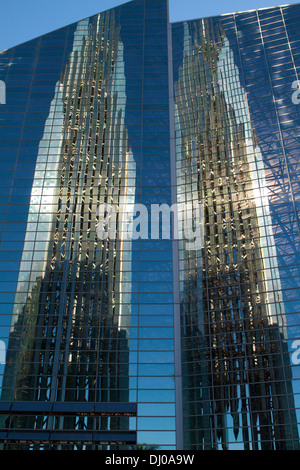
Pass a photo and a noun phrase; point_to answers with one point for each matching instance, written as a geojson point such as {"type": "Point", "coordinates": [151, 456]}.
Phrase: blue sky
{"type": "Point", "coordinates": [22, 20]}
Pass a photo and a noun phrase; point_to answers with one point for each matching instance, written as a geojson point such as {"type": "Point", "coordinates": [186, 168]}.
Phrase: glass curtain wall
{"type": "Point", "coordinates": [237, 373]}
{"type": "Point", "coordinates": [114, 343]}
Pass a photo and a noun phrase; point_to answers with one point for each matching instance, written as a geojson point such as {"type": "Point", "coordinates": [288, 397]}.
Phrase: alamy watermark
{"type": "Point", "coordinates": [126, 221]}
{"type": "Point", "coordinates": [295, 95]}
{"type": "Point", "coordinates": [2, 92]}
{"type": "Point", "coordinates": [2, 352]}
{"type": "Point", "coordinates": [296, 353]}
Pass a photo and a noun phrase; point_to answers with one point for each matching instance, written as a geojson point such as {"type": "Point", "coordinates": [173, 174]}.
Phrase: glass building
{"type": "Point", "coordinates": [116, 342]}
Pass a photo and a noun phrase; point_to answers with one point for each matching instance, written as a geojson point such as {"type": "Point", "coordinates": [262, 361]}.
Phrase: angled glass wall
{"type": "Point", "coordinates": [236, 316]}
{"type": "Point", "coordinates": [113, 343]}
{"type": "Point", "coordinates": [90, 320]}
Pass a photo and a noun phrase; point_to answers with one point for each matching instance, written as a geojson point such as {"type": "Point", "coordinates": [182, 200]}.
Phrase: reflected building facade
{"type": "Point", "coordinates": [69, 332]}
{"type": "Point", "coordinates": [116, 342]}
{"type": "Point", "coordinates": [233, 319]}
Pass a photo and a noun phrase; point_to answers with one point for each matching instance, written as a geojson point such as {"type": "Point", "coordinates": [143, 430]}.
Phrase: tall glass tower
{"type": "Point", "coordinates": [139, 337]}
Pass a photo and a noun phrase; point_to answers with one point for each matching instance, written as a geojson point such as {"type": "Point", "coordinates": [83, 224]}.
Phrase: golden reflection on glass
{"type": "Point", "coordinates": [237, 379]}
{"type": "Point", "coordinates": [70, 328]}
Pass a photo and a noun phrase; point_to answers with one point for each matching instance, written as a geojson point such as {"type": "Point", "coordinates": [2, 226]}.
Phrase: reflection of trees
{"type": "Point", "coordinates": [144, 447]}
{"type": "Point", "coordinates": [235, 360]}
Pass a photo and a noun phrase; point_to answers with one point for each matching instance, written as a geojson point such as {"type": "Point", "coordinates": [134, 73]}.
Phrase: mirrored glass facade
{"type": "Point", "coordinates": [117, 342]}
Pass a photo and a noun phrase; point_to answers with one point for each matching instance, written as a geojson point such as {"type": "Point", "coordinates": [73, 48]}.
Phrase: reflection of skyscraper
{"type": "Point", "coordinates": [167, 343]}
{"type": "Point", "coordinates": [235, 360]}
{"type": "Point", "coordinates": [69, 336]}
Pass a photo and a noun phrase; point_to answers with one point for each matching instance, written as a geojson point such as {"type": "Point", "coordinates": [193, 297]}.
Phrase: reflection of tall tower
{"type": "Point", "coordinates": [237, 379]}
{"type": "Point", "coordinates": [69, 335]}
